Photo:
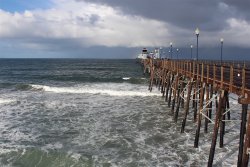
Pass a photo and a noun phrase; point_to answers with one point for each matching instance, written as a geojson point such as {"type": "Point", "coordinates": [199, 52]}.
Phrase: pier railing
{"type": "Point", "coordinates": [234, 77]}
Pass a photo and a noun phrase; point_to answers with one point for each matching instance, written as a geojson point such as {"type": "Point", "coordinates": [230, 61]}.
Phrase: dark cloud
{"type": "Point", "coordinates": [241, 7]}
{"type": "Point", "coordinates": [208, 15]}
{"type": "Point", "coordinates": [94, 18]}
{"type": "Point", "coordinates": [188, 14]}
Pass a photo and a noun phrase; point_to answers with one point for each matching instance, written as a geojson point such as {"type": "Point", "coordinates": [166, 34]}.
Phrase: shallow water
{"type": "Point", "coordinates": [94, 113]}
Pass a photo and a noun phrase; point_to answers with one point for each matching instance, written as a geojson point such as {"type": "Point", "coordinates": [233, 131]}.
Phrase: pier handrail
{"type": "Point", "coordinates": [233, 77]}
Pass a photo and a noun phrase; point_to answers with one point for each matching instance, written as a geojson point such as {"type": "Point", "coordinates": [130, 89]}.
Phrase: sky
{"type": "Point", "coordinates": [121, 28]}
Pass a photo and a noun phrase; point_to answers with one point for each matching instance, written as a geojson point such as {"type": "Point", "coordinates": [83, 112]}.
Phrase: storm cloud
{"type": "Point", "coordinates": [220, 18]}
{"type": "Point", "coordinates": [208, 15]}
{"type": "Point", "coordinates": [73, 26]}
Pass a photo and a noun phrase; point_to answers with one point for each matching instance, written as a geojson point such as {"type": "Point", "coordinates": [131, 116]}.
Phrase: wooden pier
{"type": "Point", "coordinates": [200, 85]}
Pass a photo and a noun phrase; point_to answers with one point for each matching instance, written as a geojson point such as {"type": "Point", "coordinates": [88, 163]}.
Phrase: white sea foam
{"type": "Point", "coordinates": [5, 151]}
{"type": "Point", "coordinates": [56, 145]}
{"type": "Point", "coordinates": [6, 101]}
{"type": "Point", "coordinates": [91, 90]}
{"type": "Point", "coordinates": [126, 78]}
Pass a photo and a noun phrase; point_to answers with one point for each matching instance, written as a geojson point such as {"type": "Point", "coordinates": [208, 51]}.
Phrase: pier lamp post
{"type": "Point", "coordinates": [197, 32]}
{"type": "Point", "coordinates": [191, 46]}
{"type": "Point", "coordinates": [171, 51]}
{"type": "Point", "coordinates": [221, 47]}
{"type": "Point", "coordinates": [177, 50]}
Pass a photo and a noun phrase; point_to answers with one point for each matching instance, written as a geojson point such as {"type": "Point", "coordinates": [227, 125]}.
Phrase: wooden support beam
{"type": "Point", "coordinates": [176, 90]}
{"type": "Point", "coordinates": [221, 76]}
{"type": "Point", "coordinates": [197, 134]}
{"type": "Point", "coordinates": [194, 65]}
{"type": "Point", "coordinates": [223, 117]}
{"type": "Point", "coordinates": [182, 95]}
{"type": "Point", "coordinates": [195, 100]}
{"type": "Point", "coordinates": [214, 74]}
{"type": "Point", "coordinates": [242, 133]}
{"type": "Point", "coordinates": [228, 106]}
{"type": "Point", "coordinates": [207, 108]}
{"type": "Point", "coordinates": [216, 128]}
{"type": "Point", "coordinates": [198, 71]}
{"type": "Point", "coordinates": [163, 81]}
{"type": "Point", "coordinates": [202, 72]}
{"type": "Point", "coordinates": [211, 102]}
{"type": "Point", "coordinates": [246, 147]}
{"type": "Point", "coordinates": [161, 77]}
{"type": "Point", "coordinates": [190, 85]}
{"type": "Point", "coordinates": [151, 75]}
{"type": "Point", "coordinates": [190, 70]}
{"type": "Point", "coordinates": [207, 73]}
{"type": "Point", "coordinates": [243, 82]}
{"type": "Point", "coordinates": [169, 78]}
{"type": "Point", "coordinates": [193, 97]}
{"type": "Point", "coordinates": [179, 99]}
{"type": "Point", "coordinates": [170, 91]}
{"type": "Point", "coordinates": [231, 81]}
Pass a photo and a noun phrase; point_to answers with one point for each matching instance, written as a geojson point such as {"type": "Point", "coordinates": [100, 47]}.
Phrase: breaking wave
{"type": "Point", "coordinates": [97, 90]}
{"type": "Point", "coordinates": [6, 101]}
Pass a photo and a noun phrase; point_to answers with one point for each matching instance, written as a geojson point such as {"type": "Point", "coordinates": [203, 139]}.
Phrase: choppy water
{"type": "Point", "coordinates": [94, 113]}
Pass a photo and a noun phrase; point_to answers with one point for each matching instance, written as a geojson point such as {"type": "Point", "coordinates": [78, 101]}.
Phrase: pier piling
{"type": "Point", "coordinates": [197, 134]}
{"type": "Point", "coordinates": [190, 84]}
{"type": "Point", "coordinates": [170, 89]}
{"type": "Point", "coordinates": [216, 128]}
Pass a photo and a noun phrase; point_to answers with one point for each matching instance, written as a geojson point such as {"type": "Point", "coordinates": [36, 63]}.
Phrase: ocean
{"type": "Point", "coordinates": [95, 113]}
